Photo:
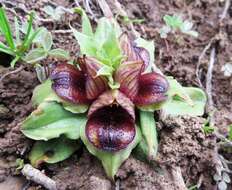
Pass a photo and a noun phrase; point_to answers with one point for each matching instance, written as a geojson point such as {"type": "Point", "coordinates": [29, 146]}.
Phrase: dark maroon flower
{"type": "Point", "coordinates": [111, 116]}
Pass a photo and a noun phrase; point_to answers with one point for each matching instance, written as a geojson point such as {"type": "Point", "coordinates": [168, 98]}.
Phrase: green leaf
{"type": "Point", "coordinates": [59, 53]}
{"type": "Point", "coordinates": [174, 21]}
{"type": "Point", "coordinates": [5, 29]}
{"type": "Point", "coordinates": [29, 30]}
{"type": "Point", "coordinates": [52, 151]}
{"type": "Point", "coordinates": [88, 45]}
{"type": "Point", "coordinates": [14, 61]}
{"type": "Point", "coordinates": [35, 55]}
{"type": "Point", "coordinates": [17, 31]}
{"type": "Point", "coordinates": [184, 100]}
{"type": "Point", "coordinates": [150, 47]}
{"type": "Point", "coordinates": [5, 49]}
{"type": "Point", "coordinates": [111, 161]}
{"type": "Point", "coordinates": [74, 108]}
{"type": "Point", "coordinates": [149, 133]}
{"type": "Point", "coordinates": [29, 41]}
{"type": "Point", "coordinates": [141, 151]}
{"type": "Point", "coordinates": [86, 25]}
{"type": "Point", "coordinates": [50, 121]}
{"type": "Point", "coordinates": [44, 92]}
{"type": "Point", "coordinates": [41, 92]}
{"type": "Point", "coordinates": [47, 41]}
{"type": "Point", "coordinates": [230, 132]}
{"type": "Point", "coordinates": [107, 41]}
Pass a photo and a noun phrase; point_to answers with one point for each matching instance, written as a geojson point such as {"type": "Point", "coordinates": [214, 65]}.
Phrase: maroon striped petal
{"type": "Point", "coordinates": [127, 75]}
{"type": "Point", "coordinates": [111, 122]}
{"type": "Point", "coordinates": [152, 89]}
{"type": "Point", "coordinates": [95, 85]}
{"type": "Point", "coordinates": [69, 83]}
{"type": "Point", "coordinates": [132, 52]}
{"type": "Point", "coordinates": [143, 55]}
{"type": "Point", "coordinates": [127, 48]}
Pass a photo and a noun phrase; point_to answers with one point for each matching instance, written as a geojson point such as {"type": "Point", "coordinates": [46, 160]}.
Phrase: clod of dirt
{"type": "Point", "coordinates": [15, 95]}
{"type": "Point", "coordinates": [85, 174]}
{"type": "Point", "coordinates": [183, 143]}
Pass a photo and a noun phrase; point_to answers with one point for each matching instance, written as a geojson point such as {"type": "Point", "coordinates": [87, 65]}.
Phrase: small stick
{"type": "Point", "coordinates": [200, 58]}
{"type": "Point", "coordinates": [61, 31]}
{"type": "Point", "coordinates": [12, 72]}
{"type": "Point", "coordinates": [209, 79]}
{"type": "Point", "coordinates": [38, 177]}
{"type": "Point", "coordinates": [226, 8]}
{"type": "Point", "coordinates": [178, 178]}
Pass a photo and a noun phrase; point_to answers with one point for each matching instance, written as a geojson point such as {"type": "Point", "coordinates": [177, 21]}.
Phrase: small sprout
{"type": "Point", "coordinates": [55, 13]}
{"type": "Point", "coordinates": [207, 128]}
{"type": "Point", "coordinates": [176, 23]}
{"type": "Point", "coordinates": [19, 163]}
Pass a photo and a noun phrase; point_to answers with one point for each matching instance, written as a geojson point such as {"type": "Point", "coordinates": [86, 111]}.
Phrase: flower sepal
{"type": "Point", "coordinates": [44, 93]}
{"type": "Point", "coordinates": [111, 161]}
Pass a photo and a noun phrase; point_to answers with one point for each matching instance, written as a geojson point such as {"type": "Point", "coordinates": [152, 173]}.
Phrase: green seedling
{"type": "Point", "coordinates": [176, 23]}
{"type": "Point", "coordinates": [26, 44]}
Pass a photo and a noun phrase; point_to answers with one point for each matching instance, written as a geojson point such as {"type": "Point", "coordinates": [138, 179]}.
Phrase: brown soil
{"type": "Point", "coordinates": [182, 142]}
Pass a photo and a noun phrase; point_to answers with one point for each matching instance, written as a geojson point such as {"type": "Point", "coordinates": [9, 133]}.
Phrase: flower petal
{"type": "Point", "coordinates": [110, 128]}
{"type": "Point", "coordinates": [132, 52]}
{"type": "Point", "coordinates": [152, 89]}
{"type": "Point", "coordinates": [127, 76]}
{"type": "Point", "coordinates": [112, 98]}
{"type": "Point", "coordinates": [127, 48]}
{"type": "Point", "coordinates": [69, 83]}
{"type": "Point", "coordinates": [95, 85]}
{"type": "Point", "coordinates": [143, 55]}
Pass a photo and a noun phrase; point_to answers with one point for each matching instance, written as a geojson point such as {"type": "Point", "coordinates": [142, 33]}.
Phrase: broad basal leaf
{"type": "Point", "coordinates": [111, 161]}
{"type": "Point", "coordinates": [50, 121]}
{"type": "Point", "coordinates": [44, 93]}
{"type": "Point", "coordinates": [59, 53]}
{"type": "Point", "coordinates": [35, 55]}
{"type": "Point", "coordinates": [179, 106]}
{"type": "Point", "coordinates": [52, 151]}
{"type": "Point", "coordinates": [148, 128]}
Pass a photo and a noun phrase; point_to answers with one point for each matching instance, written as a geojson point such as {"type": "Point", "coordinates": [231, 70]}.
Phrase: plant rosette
{"type": "Point", "coordinates": [95, 100]}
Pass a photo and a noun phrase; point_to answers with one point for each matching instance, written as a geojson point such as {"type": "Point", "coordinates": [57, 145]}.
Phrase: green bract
{"type": "Point", "coordinates": [78, 103]}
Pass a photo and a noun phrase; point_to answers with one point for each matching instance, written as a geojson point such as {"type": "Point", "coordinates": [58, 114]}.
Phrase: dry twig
{"type": "Point", "coordinates": [178, 178]}
{"type": "Point", "coordinates": [38, 177]}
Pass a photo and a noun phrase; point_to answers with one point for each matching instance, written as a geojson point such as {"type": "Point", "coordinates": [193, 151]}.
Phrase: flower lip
{"type": "Point", "coordinates": [110, 128]}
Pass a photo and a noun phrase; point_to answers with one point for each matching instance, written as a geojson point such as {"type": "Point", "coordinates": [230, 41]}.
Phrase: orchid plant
{"type": "Point", "coordinates": [106, 99]}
